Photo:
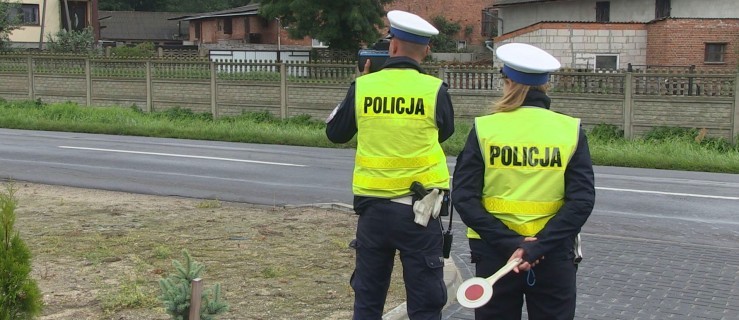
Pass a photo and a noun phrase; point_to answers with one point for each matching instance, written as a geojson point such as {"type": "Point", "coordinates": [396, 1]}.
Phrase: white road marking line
{"type": "Point", "coordinates": [185, 156]}
{"type": "Point", "coordinates": [670, 193]}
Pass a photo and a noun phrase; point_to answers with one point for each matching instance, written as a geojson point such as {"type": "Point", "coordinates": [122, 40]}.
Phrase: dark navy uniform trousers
{"type": "Point", "coordinates": [383, 228]}
{"type": "Point", "coordinates": [550, 291]}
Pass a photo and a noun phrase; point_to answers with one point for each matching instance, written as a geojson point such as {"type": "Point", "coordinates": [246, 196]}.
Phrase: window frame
{"type": "Point", "coordinates": [197, 29]}
{"type": "Point", "coordinates": [23, 10]}
{"type": "Point", "coordinates": [228, 27]}
{"type": "Point", "coordinates": [662, 9]}
{"type": "Point", "coordinates": [721, 54]}
{"type": "Point", "coordinates": [595, 59]}
{"type": "Point", "coordinates": [603, 11]}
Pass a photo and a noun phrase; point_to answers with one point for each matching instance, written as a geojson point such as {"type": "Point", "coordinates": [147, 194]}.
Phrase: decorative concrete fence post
{"type": "Point", "coordinates": [628, 105]}
{"type": "Point", "coordinates": [735, 131]}
{"type": "Point", "coordinates": [283, 91]}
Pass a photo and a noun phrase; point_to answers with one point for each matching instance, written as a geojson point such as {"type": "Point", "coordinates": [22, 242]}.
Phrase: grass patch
{"type": "Point", "coordinates": [209, 204]}
{"type": "Point", "coordinates": [661, 148]}
{"type": "Point", "coordinates": [129, 294]}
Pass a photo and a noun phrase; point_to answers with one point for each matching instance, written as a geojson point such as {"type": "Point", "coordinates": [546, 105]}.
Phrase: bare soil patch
{"type": "Point", "coordinates": [100, 254]}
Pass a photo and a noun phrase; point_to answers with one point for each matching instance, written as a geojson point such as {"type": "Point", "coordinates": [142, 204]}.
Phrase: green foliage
{"type": "Point", "coordinates": [141, 50]}
{"type": "Point", "coordinates": [606, 132]}
{"type": "Point", "coordinates": [445, 41]}
{"type": "Point", "coordinates": [344, 25]}
{"type": "Point", "coordinates": [20, 297]}
{"type": "Point", "coordinates": [178, 113]}
{"type": "Point", "coordinates": [72, 41]}
{"type": "Point", "coordinates": [690, 135]}
{"type": "Point", "coordinates": [9, 23]}
{"type": "Point", "coordinates": [177, 289]}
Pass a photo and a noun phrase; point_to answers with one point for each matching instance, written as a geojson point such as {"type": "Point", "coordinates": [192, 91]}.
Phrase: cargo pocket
{"type": "Point", "coordinates": [436, 265]}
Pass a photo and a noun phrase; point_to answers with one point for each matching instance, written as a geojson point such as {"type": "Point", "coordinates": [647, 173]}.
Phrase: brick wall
{"type": "Point", "coordinates": [191, 94]}
{"type": "Point", "coordinates": [577, 44]}
{"type": "Point", "coordinates": [466, 12]}
{"type": "Point", "coordinates": [54, 88]}
{"type": "Point", "coordinates": [235, 97]}
{"type": "Point", "coordinates": [591, 110]}
{"type": "Point", "coordinates": [315, 100]}
{"type": "Point", "coordinates": [683, 42]}
{"type": "Point", "coordinates": [117, 92]}
{"type": "Point", "coordinates": [14, 86]}
{"type": "Point", "coordinates": [715, 115]}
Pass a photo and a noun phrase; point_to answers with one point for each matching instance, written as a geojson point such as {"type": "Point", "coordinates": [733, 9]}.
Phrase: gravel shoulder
{"type": "Point", "coordinates": [99, 254]}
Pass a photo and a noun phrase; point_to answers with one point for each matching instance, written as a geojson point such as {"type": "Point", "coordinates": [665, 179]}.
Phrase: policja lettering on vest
{"type": "Point", "coordinates": [397, 105]}
{"type": "Point", "coordinates": [530, 156]}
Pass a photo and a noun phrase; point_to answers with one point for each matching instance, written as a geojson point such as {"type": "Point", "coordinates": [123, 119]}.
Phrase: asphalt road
{"type": "Point", "coordinates": [659, 245]}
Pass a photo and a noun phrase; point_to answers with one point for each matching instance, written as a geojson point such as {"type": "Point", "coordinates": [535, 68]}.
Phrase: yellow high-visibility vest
{"type": "Point", "coordinates": [526, 152]}
{"type": "Point", "coordinates": [397, 139]}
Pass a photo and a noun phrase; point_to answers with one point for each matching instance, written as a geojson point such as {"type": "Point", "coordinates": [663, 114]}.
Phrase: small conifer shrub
{"type": "Point", "coordinates": [177, 290]}
{"type": "Point", "coordinates": [20, 297]}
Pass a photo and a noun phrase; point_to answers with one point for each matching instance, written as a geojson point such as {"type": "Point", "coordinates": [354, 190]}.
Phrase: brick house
{"type": "Point", "coordinates": [591, 34]}
{"type": "Point", "coordinates": [241, 28]}
{"type": "Point", "coordinates": [465, 12]}
{"type": "Point", "coordinates": [41, 18]}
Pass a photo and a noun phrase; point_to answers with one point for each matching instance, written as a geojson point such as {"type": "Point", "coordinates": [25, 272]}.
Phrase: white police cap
{"type": "Point", "coordinates": [410, 27]}
{"type": "Point", "coordinates": [526, 64]}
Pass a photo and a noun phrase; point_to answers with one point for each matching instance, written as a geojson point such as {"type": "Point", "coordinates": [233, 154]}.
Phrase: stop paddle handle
{"type": "Point", "coordinates": [476, 292]}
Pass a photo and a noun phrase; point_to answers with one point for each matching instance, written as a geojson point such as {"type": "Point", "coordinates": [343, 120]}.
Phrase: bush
{"type": "Point", "coordinates": [20, 297]}
{"type": "Point", "coordinates": [606, 132]}
{"type": "Point", "coordinates": [72, 41]}
{"type": "Point", "coordinates": [178, 113]}
{"type": "Point", "coordinates": [691, 135]}
{"type": "Point", "coordinates": [141, 50]}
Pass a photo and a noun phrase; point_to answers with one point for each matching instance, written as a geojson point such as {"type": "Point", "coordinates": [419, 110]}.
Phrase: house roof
{"type": "Point", "coordinates": [247, 10]}
{"type": "Point", "coordinates": [140, 25]}
{"type": "Point", "coordinates": [500, 3]}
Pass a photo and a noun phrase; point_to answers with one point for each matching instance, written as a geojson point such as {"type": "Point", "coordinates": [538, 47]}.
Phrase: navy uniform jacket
{"type": "Point", "coordinates": [343, 126]}
{"type": "Point", "coordinates": [559, 231]}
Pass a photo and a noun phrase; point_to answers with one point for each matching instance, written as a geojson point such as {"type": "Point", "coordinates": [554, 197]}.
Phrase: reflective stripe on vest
{"type": "Point", "coordinates": [526, 152]}
{"type": "Point", "coordinates": [397, 137]}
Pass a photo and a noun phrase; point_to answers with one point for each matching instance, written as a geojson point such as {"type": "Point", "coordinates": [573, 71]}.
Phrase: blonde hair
{"type": "Point", "coordinates": [514, 94]}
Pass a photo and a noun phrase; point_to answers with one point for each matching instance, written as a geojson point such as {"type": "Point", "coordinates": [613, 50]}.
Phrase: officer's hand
{"type": "Point", "coordinates": [366, 67]}
{"type": "Point", "coordinates": [530, 239]}
{"type": "Point", "coordinates": [523, 266]}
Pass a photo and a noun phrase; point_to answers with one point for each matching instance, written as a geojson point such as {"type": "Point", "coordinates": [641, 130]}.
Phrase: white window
{"type": "Point", "coordinates": [318, 44]}
{"type": "Point", "coordinates": [606, 61]}
{"type": "Point", "coordinates": [461, 44]}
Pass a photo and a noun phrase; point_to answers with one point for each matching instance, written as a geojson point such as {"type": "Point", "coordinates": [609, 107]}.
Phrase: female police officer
{"type": "Point", "coordinates": [524, 186]}
{"type": "Point", "coordinates": [400, 116]}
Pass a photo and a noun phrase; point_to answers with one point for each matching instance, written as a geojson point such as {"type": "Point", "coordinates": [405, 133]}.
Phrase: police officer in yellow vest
{"type": "Point", "coordinates": [524, 186]}
{"type": "Point", "coordinates": [400, 116]}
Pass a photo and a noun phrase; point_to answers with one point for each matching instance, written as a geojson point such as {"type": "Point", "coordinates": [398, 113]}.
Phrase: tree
{"type": "Point", "coordinates": [8, 24]}
{"type": "Point", "coordinates": [344, 25]}
{"type": "Point", "coordinates": [177, 289]}
{"type": "Point", "coordinates": [20, 297]}
{"type": "Point", "coordinates": [445, 40]}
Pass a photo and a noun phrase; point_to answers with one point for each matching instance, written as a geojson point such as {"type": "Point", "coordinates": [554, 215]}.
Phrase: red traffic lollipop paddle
{"type": "Point", "coordinates": [476, 292]}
